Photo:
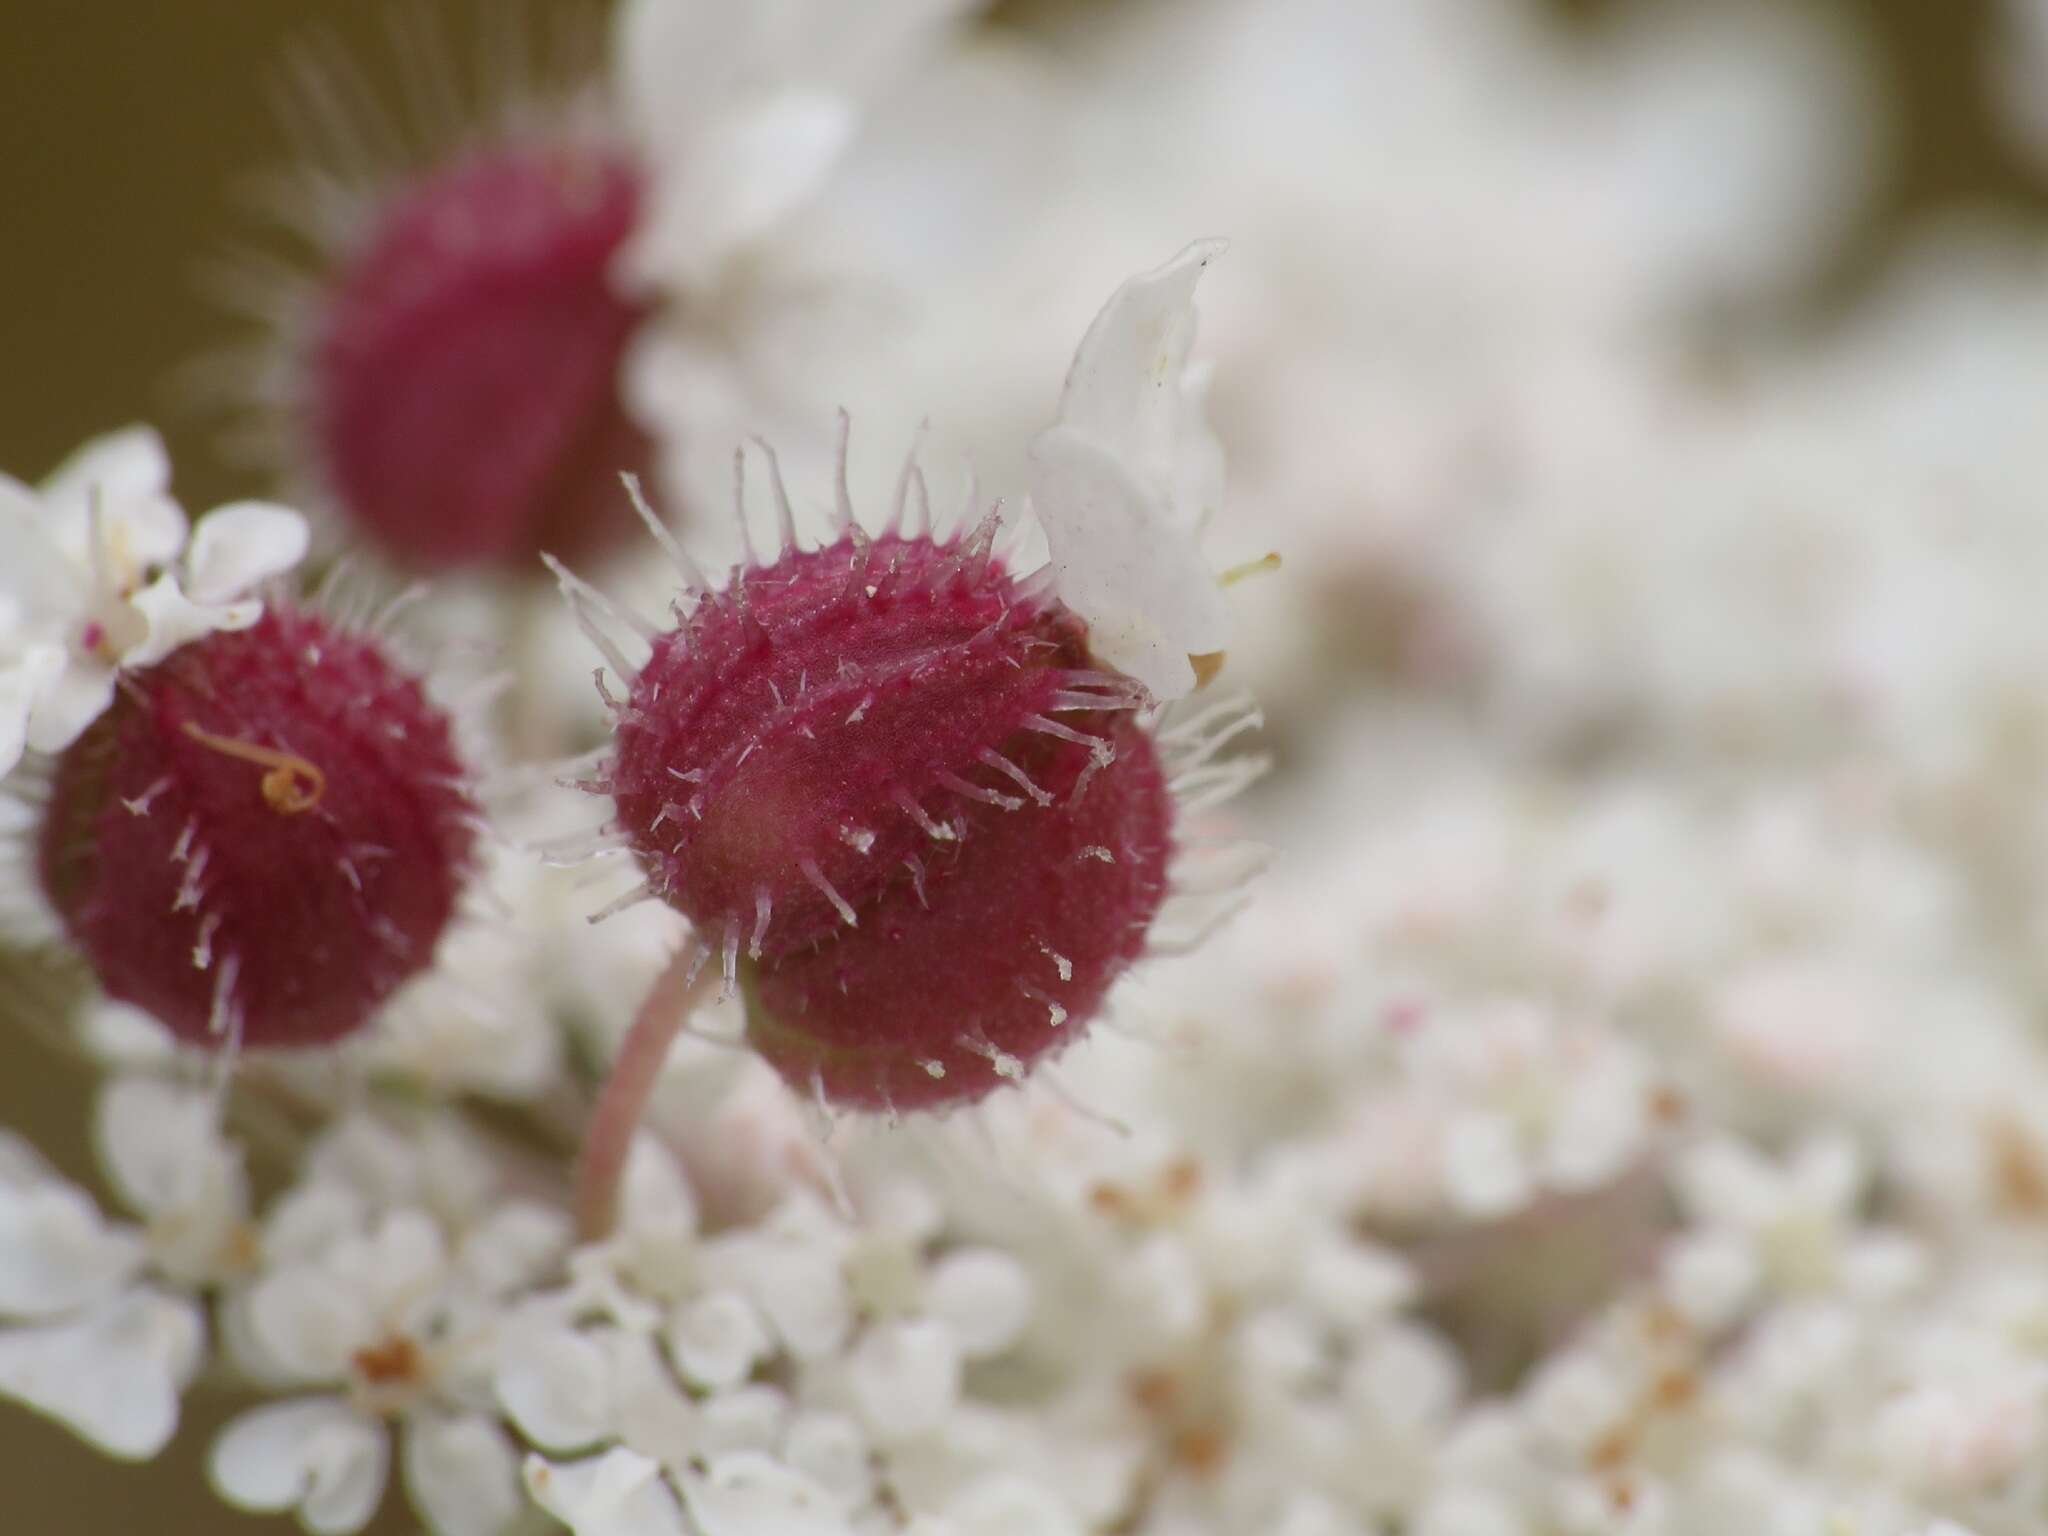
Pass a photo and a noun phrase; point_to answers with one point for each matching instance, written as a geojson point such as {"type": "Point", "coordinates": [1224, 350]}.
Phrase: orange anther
{"type": "Point", "coordinates": [290, 784]}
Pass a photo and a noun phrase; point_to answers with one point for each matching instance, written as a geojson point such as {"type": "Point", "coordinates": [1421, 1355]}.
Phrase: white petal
{"type": "Point", "coordinates": [620, 1493]}
{"type": "Point", "coordinates": [654, 1195]}
{"type": "Point", "coordinates": [120, 1036]}
{"type": "Point", "coordinates": [733, 180]}
{"type": "Point", "coordinates": [801, 1288]}
{"type": "Point", "coordinates": [69, 702]}
{"type": "Point", "coordinates": [310, 1218]}
{"type": "Point", "coordinates": [126, 465]}
{"type": "Point", "coordinates": [112, 1376]}
{"type": "Point", "coordinates": [21, 1165]}
{"type": "Point", "coordinates": [1485, 1173]}
{"type": "Point", "coordinates": [555, 1385]}
{"type": "Point", "coordinates": [1710, 1276]}
{"type": "Point", "coordinates": [829, 1449]}
{"type": "Point", "coordinates": [749, 1418]}
{"type": "Point", "coordinates": [906, 1378]}
{"type": "Point", "coordinates": [514, 1246]}
{"type": "Point", "coordinates": [24, 680]}
{"type": "Point", "coordinates": [746, 1493]}
{"type": "Point", "coordinates": [400, 1264]}
{"type": "Point", "coordinates": [1125, 391]}
{"type": "Point", "coordinates": [161, 1146]}
{"type": "Point", "coordinates": [57, 1253]}
{"type": "Point", "coordinates": [173, 619]}
{"type": "Point", "coordinates": [984, 1296]}
{"type": "Point", "coordinates": [37, 578]}
{"type": "Point", "coordinates": [308, 1321]}
{"type": "Point", "coordinates": [1120, 563]}
{"type": "Point", "coordinates": [240, 544]}
{"type": "Point", "coordinates": [137, 534]}
{"type": "Point", "coordinates": [653, 1414]}
{"type": "Point", "coordinates": [1125, 480]}
{"type": "Point", "coordinates": [716, 1338]}
{"type": "Point", "coordinates": [1829, 1171]}
{"type": "Point", "coordinates": [461, 1474]}
{"type": "Point", "coordinates": [315, 1455]}
{"type": "Point", "coordinates": [1728, 1183]}
{"type": "Point", "coordinates": [742, 110]}
{"type": "Point", "coordinates": [109, 508]}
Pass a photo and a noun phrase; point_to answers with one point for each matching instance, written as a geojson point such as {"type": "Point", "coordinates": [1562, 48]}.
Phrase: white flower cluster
{"type": "Point", "coordinates": [1623, 1112]}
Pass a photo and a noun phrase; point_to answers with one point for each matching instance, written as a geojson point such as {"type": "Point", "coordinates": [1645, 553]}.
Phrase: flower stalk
{"type": "Point", "coordinates": [623, 1100]}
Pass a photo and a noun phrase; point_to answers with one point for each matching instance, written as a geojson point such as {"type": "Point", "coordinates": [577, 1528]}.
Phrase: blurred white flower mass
{"type": "Point", "coordinates": [1621, 1108]}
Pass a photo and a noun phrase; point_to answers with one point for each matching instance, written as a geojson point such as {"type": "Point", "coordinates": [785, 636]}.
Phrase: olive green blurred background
{"type": "Point", "coordinates": [126, 127]}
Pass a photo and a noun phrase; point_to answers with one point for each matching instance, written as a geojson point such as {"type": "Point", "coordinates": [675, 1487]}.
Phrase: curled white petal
{"type": "Point", "coordinates": [113, 1375]}
{"type": "Point", "coordinates": [620, 1493]}
{"type": "Point", "coordinates": [174, 619]}
{"type": "Point", "coordinates": [239, 545]}
{"type": "Point", "coordinates": [315, 1455]}
{"type": "Point", "coordinates": [1126, 389]}
{"type": "Point", "coordinates": [1126, 479]}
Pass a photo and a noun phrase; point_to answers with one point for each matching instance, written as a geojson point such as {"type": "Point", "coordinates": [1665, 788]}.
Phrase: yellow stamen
{"type": "Point", "coordinates": [290, 786]}
{"type": "Point", "coordinates": [1269, 561]}
{"type": "Point", "coordinates": [1206, 666]}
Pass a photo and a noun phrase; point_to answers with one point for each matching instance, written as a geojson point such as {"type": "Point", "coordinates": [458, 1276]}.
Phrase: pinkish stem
{"type": "Point", "coordinates": [622, 1101]}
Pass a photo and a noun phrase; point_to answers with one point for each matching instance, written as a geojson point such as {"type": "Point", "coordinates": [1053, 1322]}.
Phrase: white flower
{"type": "Point", "coordinates": [93, 1342]}
{"type": "Point", "coordinates": [92, 580]}
{"type": "Point", "coordinates": [1796, 1223]}
{"type": "Point", "coordinates": [163, 1151]}
{"type": "Point", "coordinates": [1124, 482]}
{"type": "Point", "coordinates": [406, 1330]}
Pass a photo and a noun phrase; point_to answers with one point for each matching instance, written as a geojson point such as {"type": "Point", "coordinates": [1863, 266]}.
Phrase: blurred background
{"type": "Point", "coordinates": [128, 134]}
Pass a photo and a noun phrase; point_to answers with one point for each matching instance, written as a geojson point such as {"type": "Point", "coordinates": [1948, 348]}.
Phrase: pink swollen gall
{"type": "Point", "coordinates": [263, 837]}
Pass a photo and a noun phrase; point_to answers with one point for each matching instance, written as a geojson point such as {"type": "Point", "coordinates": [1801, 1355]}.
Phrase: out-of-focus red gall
{"type": "Point", "coordinates": [462, 391]}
